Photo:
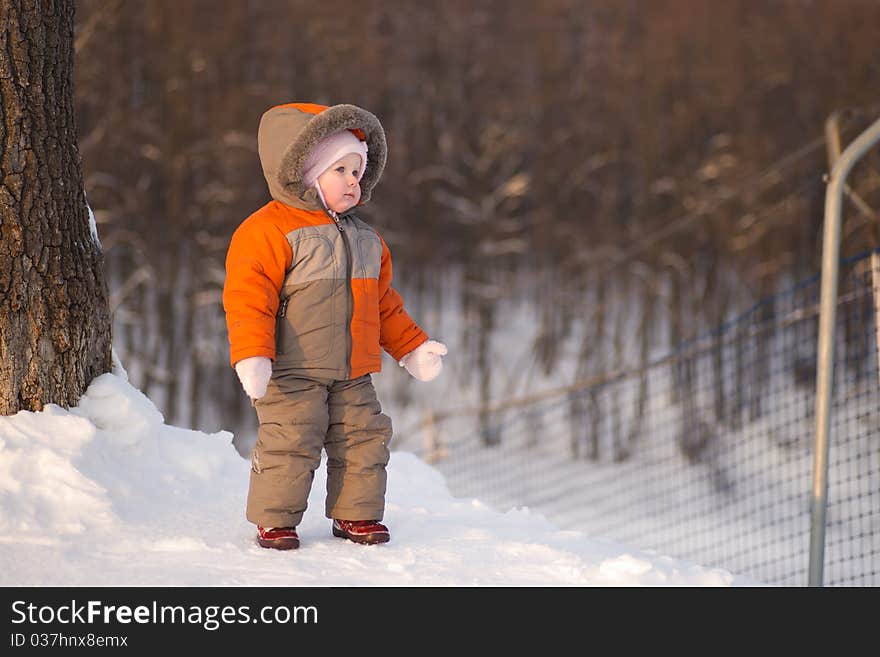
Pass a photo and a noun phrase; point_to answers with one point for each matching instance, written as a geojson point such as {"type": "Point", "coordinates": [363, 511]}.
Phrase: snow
{"type": "Point", "coordinates": [107, 494]}
{"type": "Point", "coordinates": [93, 227]}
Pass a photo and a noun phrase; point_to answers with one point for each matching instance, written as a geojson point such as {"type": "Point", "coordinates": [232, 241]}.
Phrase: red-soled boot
{"type": "Point", "coordinates": [361, 531]}
{"type": "Point", "coordinates": [279, 538]}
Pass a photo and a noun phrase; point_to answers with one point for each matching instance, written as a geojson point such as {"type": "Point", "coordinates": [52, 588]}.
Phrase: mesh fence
{"type": "Point", "coordinates": [705, 455]}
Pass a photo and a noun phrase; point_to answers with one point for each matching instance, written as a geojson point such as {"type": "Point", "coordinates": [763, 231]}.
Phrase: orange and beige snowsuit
{"type": "Point", "coordinates": [313, 293]}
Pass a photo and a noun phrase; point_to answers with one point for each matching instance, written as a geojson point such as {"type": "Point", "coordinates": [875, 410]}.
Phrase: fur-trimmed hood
{"type": "Point", "coordinates": [288, 132]}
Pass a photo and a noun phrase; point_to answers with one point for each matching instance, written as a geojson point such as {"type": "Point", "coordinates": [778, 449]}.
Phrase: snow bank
{"type": "Point", "coordinates": [107, 494]}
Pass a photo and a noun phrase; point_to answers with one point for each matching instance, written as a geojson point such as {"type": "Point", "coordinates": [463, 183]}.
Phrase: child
{"type": "Point", "coordinates": [309, 306]}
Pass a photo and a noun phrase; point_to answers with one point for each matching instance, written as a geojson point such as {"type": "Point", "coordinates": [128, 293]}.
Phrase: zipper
{"type": "Point", "coordinates": [349, 303]}
{"type": "Point", "coordinates": [279, 320]}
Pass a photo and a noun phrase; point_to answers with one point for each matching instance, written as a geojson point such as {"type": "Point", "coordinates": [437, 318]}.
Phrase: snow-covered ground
{"type": "Point", "coordinates": [107, 494]}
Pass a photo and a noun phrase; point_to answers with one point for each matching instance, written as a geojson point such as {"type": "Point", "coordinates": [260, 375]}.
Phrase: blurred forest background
{"type": "Point", "coordinates": [669, 153]}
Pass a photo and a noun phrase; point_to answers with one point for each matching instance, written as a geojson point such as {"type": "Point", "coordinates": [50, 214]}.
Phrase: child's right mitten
{"type": "Point", "coordinates": [254, 374]}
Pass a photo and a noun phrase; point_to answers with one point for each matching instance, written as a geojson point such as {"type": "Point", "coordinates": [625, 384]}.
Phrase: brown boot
{"type": "Point", "coordinates": [279, 538]}
{"type": "Point", "coordinates": [361, 531]}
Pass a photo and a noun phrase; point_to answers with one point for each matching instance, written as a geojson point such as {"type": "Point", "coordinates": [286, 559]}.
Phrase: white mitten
{"type": "Point", "coordinates": [424, 362]}
{"type": "Point", "coordinates": [254, 374]}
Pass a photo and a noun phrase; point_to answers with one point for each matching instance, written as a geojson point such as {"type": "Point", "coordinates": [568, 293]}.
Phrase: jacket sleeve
{"type": "Point", "coordinates": [398, 333]}
{"type": "Point", "coordinates": [258, 258]}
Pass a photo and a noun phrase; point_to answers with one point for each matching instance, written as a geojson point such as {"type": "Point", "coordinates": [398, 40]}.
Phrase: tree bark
{"type": "Point", "coordinates": [54, 313]}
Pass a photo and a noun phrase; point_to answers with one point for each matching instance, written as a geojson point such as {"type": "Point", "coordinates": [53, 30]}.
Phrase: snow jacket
{"type": "Point", "coordinates": [309, 290]}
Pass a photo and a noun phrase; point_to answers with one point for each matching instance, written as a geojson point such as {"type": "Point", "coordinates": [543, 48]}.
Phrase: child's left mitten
{"type": "Point", "coordinates": [254, 374]}
{"type": "Point", "coordinates": [425, 362]}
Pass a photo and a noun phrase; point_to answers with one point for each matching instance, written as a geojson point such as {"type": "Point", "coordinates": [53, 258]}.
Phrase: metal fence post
{"type": "Point", "coordinates": [825, 355]}
{"type": "Point", "coordinates": [875, 295]}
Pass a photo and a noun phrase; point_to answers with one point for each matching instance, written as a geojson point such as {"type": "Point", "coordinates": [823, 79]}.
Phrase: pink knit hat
{"type": "Point", "coordinates": [329, 150]}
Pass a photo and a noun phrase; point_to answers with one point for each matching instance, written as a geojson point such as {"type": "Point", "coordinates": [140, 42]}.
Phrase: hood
{"type": "Point", "coordinates": [288, 132]}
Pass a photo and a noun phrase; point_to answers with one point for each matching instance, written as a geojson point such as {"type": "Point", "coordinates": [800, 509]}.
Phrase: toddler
{"type": "Point", "coordinates": [309, 308]}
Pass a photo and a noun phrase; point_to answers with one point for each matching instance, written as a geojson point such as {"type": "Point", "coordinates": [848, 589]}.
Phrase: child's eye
{"type": "Point", "coordinates": [354, 173]}
{"type": "Point", "coordinates": [340, 169]}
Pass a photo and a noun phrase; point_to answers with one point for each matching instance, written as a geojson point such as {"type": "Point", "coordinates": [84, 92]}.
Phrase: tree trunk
{"type": "Point", "coordinates": [54, 314]}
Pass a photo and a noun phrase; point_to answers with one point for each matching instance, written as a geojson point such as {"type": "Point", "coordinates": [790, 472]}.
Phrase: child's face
{"type": "Point", "coordinates": [340, 185]}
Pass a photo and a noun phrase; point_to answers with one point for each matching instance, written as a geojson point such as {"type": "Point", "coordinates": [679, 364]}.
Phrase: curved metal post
{"type": "Point", "coordinates": [825, 356]}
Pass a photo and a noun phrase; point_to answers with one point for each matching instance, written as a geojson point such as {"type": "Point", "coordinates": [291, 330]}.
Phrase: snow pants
{"type": "Point", "coordinates": [300, 416]}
